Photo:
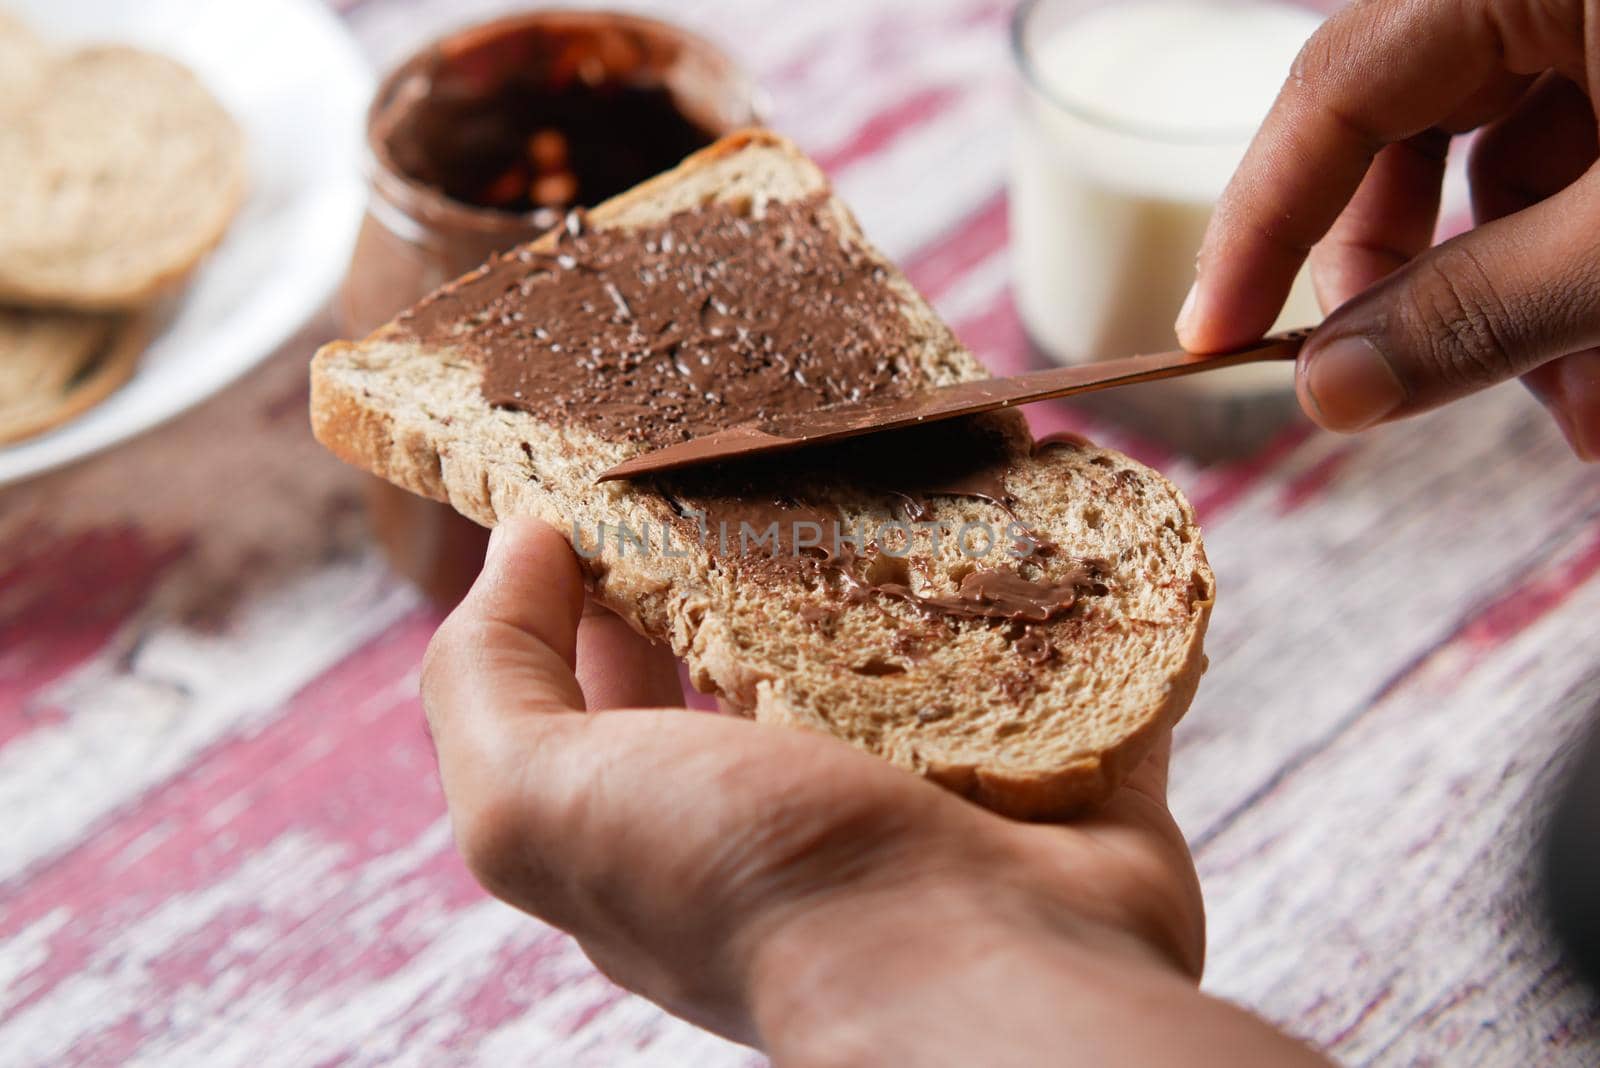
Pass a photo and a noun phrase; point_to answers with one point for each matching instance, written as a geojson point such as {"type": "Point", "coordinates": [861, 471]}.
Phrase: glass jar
{"type": "Point", "coordinates": [1132, 116]}
{"type": "Point", "coordinates": [480, 142]}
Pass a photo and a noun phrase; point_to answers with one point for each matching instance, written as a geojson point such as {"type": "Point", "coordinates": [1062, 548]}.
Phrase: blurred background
{"type": "Point", "coordinates": [225, 841]}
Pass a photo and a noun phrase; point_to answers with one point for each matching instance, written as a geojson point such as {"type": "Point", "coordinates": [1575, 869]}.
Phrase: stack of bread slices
{"type": "Point", "coordinates": [120, 173]}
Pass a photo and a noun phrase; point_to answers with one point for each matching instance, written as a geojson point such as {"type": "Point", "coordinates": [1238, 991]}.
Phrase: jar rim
{"type": "Point", "coordinates": [433, 207]}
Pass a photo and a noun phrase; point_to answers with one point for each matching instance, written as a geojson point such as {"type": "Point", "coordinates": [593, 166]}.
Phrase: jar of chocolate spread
{"type": "Point", "coordinates": [484, 140]}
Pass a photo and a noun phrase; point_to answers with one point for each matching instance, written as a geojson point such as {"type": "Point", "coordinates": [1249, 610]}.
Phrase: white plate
{"type": "Point", "coordinates": [295, 81]}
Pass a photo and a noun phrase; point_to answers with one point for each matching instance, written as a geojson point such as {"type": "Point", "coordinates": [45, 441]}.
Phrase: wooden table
{"type": "Point", "coordinates": [225, 842]}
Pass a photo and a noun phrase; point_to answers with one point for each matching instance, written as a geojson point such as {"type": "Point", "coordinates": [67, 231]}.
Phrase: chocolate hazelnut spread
{"type": "Point", "coordinates": [994, 593]}
{"type": "Point", "coordinates": [536, 117]}
{"type": "Point", "coordinates": [733, 313]}
{"type": "Point", "coordinates": [652, 337]}
{"type": "Point", "coordinates": [1034, 647]}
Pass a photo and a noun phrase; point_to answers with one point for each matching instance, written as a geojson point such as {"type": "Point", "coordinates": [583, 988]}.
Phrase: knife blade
{"type": "Point", "coordinates": [947, 402]}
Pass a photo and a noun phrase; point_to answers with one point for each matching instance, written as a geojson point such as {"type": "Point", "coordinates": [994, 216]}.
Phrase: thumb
{"type": "Point", "coordinates": [509, 647]}
{"type": "Point", "coordinates": [498, 685]}
{"type": "Point", "coordinates": [1487, 306]}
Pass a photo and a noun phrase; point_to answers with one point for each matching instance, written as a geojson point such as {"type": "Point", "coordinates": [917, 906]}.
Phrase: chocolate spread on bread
{"type": "Point", "coordinates": [652, 336]}
{"type": "Point", "coordinates": [731, 314]}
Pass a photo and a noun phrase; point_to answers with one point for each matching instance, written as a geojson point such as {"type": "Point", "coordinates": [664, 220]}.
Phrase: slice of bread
{"type": "Point", "coordinates": [1037, 731]}
{"type": "Point", "coordinates": [56, 365]}
{"type": "Point", "coordinates": [23, 59]}
{"type": "Point", "coordinates": [121, 173]}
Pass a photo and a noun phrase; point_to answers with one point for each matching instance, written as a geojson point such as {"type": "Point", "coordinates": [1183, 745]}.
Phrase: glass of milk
{"type": "Point", "coordinates": [1134, 114]}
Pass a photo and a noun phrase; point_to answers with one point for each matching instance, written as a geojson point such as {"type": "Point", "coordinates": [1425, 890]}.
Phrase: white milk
{"type": "Point", "coordinates": [1136, 114]}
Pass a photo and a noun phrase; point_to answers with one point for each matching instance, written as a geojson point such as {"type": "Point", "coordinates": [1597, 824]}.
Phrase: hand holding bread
{"type": "Point", "coordinates": [695, 849]}
{"type": "Point", "coordinates": [783, 890]}
{"type": "Point", "coordinates": [1025, 646]}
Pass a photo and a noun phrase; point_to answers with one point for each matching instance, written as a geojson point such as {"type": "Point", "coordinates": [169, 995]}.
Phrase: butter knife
{"type": "Point", "coordinates": [947, 402]}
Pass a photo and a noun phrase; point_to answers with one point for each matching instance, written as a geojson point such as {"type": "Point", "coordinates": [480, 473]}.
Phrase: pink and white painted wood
{"type": "Point", "coordinates": [224, 842]}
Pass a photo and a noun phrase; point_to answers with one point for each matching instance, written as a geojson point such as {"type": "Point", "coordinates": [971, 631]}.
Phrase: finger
{"type": "Point", "coordinates": [513, 638]}
{"type": "Point", "coordinates": [1395, 210]}
{"type": "Point", "coordinates": [620, 668]}
{"type": "Point", "coordinates": [1492, 100]}
{"type": "Point", "coordinates": [1376, 73]}
{"type": "Point", "coordinates": [1544, 145]}
{"type": "Point", "coordinates": [1570, 388]}
{"type": "Point", "coordinates": [1150, 777]}
{"type": "Point", "coordinates": [1137, 826]}
{"type": "Point", "coordinates": [1390, 220]}
{"type": "Point", "coordinates": [1547, 143]}
{"type": "Point", "coordinates": [1489, 305]}
{"type": "Point", "coordinates": [497, 674]}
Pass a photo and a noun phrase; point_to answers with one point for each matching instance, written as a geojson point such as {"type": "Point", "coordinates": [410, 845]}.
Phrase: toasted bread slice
{"type": "Point", "coordinates": [56, 365]}
{"type": "Point", "coordinates": [121, 173]}
{"type": "Point", "coordinates": [1037, 731]}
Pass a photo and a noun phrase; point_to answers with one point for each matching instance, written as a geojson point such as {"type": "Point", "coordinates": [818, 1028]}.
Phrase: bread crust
{"type": "Point", "coordinates": [689, 610]}
{"type": "Point", "coordinates": [94, 358]}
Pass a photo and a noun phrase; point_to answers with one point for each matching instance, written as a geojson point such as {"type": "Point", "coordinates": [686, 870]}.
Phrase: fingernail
{"type": "Point", "coordinates": [1351, 384]}
{"type": "Point", "coordinates": [1186, 313]}
{"type": "Point", "coordinates": [494, 540]}
{"type": "Point", "coordinates": [1579, 390]}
